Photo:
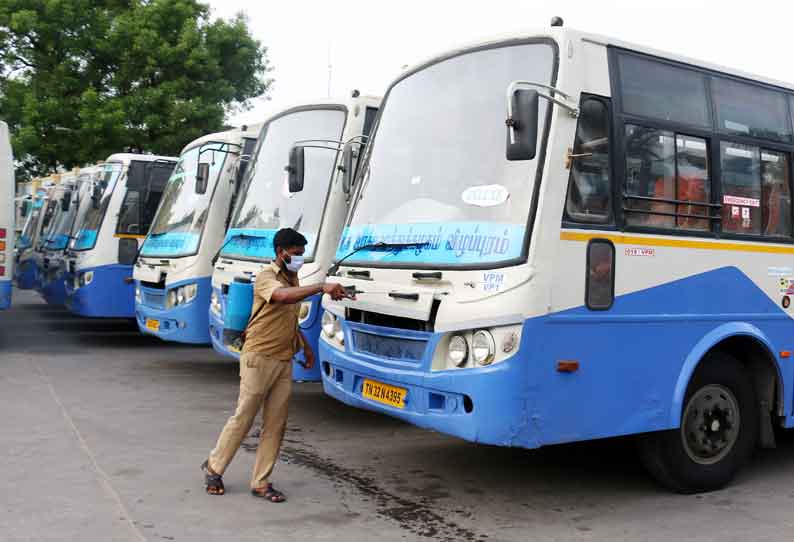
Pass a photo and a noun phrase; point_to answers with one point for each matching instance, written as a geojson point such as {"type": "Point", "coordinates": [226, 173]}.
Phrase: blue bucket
{"type": "Point", "coordinates": [239, 301]}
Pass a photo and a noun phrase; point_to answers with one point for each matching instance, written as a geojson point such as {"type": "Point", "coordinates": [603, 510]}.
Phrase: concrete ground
{"type": "Point", "coordinates": [103, 431]}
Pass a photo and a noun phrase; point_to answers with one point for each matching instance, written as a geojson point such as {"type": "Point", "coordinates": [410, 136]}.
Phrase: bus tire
{"type": "Point", "coordinates": [712, 443]}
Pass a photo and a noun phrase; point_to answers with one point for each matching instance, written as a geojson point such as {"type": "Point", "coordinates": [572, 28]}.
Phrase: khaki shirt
{"type": "Point", "coordinates": [273, 329]}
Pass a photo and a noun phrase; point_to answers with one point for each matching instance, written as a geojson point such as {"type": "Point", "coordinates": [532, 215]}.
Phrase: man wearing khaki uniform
{"type": "Point", "coordinates": [272, 338]}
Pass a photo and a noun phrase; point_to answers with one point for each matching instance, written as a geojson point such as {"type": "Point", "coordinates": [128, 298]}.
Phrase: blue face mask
{"type": "Point", "coordinates": [294, 264]}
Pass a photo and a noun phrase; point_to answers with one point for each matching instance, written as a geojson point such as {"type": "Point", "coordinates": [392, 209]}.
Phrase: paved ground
{"type": "Point", "coordinates": [103, 430]}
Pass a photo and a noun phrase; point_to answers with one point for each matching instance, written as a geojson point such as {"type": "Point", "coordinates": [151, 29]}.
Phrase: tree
{"type": "Point", "coordinates": [82, 79]}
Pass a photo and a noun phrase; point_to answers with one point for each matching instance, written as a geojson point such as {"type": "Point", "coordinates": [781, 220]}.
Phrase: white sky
{"type": "Point", "coordinates": [370, 41]}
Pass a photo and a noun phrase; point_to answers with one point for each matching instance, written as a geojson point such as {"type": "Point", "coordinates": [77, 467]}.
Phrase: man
{"type": "Point", "coordinates": [272, 338]}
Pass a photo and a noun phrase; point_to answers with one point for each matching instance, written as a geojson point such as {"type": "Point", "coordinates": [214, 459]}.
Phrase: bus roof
{"type": "Point", "coordinates": [126, 157]}
{"type": "Point", "coordinates": [561, 34]}
{"type": "Point", "coordinates": [228, 136]}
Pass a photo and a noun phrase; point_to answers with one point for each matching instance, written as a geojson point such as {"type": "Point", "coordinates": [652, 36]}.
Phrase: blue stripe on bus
{"type": "Point", "coordinates": [635, 364]}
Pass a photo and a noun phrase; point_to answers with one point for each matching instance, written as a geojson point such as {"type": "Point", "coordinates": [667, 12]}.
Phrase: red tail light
{"type": "Point", "coordinates": [2, 270]}
{"type": "Point", "coordinates": [2, 233]}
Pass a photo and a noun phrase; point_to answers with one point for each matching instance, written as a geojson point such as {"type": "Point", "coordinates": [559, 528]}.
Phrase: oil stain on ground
{"type": "Point", "coordinates": [416, 517]}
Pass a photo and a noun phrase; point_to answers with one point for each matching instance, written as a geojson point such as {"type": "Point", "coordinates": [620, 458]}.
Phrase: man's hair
{"type": "Point", "coordinates": [287, 238]}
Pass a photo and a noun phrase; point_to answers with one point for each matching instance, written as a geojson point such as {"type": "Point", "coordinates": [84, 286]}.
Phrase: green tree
{"type": "Point", "coordinates": [82, 79]}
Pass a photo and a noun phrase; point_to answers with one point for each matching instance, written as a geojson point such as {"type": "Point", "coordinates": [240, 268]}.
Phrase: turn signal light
{"type": "Point", "coordinates": [785, 354]}
{"type": "Point", "coordinates": [2, 245]}
{"type": "Point", "coordinates": [567, 366]}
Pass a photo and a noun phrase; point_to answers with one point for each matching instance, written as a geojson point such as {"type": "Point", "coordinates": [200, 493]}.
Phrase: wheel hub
{"type": "Point", "coordinates": [710, 426]}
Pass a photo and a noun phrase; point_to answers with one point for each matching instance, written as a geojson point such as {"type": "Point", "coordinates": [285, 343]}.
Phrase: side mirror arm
{"type": "Point", "coordinates": [573, 111]}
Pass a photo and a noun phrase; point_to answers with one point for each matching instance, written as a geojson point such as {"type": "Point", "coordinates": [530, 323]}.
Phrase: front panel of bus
{"type": "Point", "coordinates": [174, 270]}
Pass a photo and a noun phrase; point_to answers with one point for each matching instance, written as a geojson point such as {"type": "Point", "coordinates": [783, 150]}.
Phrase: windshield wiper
{"type": "Point", "coordinates": [394, 248]}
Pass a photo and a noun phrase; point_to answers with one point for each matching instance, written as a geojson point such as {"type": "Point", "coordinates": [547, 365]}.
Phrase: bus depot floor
{"type": "Point", "coordinates": [102, 432]}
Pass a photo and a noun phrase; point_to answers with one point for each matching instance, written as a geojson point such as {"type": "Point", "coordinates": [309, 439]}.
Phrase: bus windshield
{"type": "Point", "coordinates": [182, 214]}
{"type": "Point", "coordinates": [31, 223]}
{"type": "Point", "coordinates": [265, 204]}
{"type": "Point", "coordinates": [89, 221]}
{"type": "Point", "coordinates": [61, 228]}
{"type": "Point", "coordinates": [437, 171]}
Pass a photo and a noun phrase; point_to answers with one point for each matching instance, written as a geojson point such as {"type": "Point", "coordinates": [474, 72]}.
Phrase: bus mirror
{"type": "Point", "coordinates": [522, 126]}
{"type": "Point", "coordinates": [348, 169]}
{"type": "Point", "coordinates": [66, 200]}
{"type": "Point", "coordinates": [128, 251]}
{"type": "Point", "coordinates": [96, 195]}
{"type": "Point", "coordinates": [295, 169]}
{"type": "Point", "coordinates": [202, 178]}
{"type": "Point", "coordinates": [136, 176]}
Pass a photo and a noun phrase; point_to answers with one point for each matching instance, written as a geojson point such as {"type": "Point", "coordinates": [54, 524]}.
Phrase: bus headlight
{"type": "Point", "coordinates": [483, 347]}
{"type": "Point", "coordinates": [86, 278]}
{"type": "Point", "coordinates": [215, 303]}
{"type": "Point", "coordinates": [305, 311]}
{"type": "Point", "coordinates": [328, 324]}
{"type": "Point", "coordinates": [339, 333]}
{"type": "Point", "coordinates": [181, 295]}
{"type": "Point", "coordinates": [458, 351]}
{"type": "Point", "coordinates": [138, 297]}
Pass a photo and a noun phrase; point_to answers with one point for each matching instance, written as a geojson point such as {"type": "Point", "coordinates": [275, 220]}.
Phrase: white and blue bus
{"type": "Point", "coordinates": [267, 204]}
{"type": "Point", "coordinates": [107, 234]}
{"type": "Point", "coordinates": [7, 216]}
{"type": "Point", "coordinates": [174, 269]}
{"type": "Point", "coordinates": [560, 237]}
{"type": "Point", "coordinates": [24, 264]}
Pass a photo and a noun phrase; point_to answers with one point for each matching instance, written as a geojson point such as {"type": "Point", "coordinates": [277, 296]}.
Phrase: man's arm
{"type": "Point", "coordinates": [308, 353]}
{"type": "Point", "coordinates": [295, 294]}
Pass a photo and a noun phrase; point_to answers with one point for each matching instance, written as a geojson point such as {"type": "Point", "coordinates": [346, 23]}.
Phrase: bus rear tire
{"type": "Point", "coordinates": [718, 432]}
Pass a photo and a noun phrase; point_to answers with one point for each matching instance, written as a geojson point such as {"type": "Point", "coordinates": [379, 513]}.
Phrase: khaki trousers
{"type": "Point", "coordinates": [267, 384]}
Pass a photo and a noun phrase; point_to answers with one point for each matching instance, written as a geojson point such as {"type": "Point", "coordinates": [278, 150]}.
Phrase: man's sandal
{"type": "Point", "coordinates": [270, 494]}
{"type": "Point", "coordinates": [212, 480]}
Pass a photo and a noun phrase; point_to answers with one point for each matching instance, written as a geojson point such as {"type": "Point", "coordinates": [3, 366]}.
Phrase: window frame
{"type": "Point", "coordinates": [714, 138]}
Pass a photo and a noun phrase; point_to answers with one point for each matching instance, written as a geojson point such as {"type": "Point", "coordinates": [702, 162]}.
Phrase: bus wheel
{"type": "Point", "coordinates": [718, 433]}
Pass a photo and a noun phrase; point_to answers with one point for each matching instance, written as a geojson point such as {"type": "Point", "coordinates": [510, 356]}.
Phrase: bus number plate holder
{"type": "Point", "coordinates": [383, 393]}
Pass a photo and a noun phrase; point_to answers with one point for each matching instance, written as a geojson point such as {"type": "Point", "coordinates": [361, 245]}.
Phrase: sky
{"type": "Point", "coordinates": [370, 42]}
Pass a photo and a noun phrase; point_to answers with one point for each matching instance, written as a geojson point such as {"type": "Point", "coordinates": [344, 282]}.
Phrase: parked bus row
{"type": "Point", "coordinates": [552, 237]}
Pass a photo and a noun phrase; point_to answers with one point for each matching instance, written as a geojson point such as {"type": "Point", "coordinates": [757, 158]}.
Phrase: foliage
{"type": "Point", "coordinates": [82, 79]}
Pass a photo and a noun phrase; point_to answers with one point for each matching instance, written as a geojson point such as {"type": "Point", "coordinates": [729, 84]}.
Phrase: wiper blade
{"type": "Point", "coordinates": [394, 248]}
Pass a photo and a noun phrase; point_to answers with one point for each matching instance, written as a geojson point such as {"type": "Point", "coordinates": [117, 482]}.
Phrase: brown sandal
{"type": "Point", "coordinates": [270, 494]}
{"type": "Point", "coordinates": [212, 480]}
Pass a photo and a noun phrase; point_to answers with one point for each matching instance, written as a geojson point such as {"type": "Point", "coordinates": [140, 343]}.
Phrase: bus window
{"type": "Point", "coordinates": [749, 110]}
{"type": "Point", "coordinates": [756, 197]}
{"type": "Point", "coordinates": [589, 187]}
{"type": "Point", "coordinates": [600, 286]}
{"type": "Point", "coordinates": [650, 174]}
{"type": "Point", "coordinates": [775, 194]}
{"type": "Point", "coordinates": [663, 168]}
{"type": "Point", "coordinates": [657, 90]}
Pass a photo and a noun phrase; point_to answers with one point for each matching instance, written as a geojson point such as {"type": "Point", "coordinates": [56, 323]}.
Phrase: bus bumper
{"type": "Point", "coordinates": [479, 405]}
{"type": "Point", "coordinates": [186, 323]}
{"type": "Point", "coordinates": [5, 294]}
{"type": "Point", "coordinates": [110, 294]}
{"type": "Point", "coordinates": [25, 275]}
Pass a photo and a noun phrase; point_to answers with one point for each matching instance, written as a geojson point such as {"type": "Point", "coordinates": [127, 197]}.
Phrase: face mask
{"type": "Point", "coordinates": [294, 264]}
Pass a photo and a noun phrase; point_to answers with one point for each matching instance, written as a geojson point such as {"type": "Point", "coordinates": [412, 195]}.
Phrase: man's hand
{"type": "Point", "coordinates": [308, 353]}
{"type": "Point", "coordinates": [336, 291]}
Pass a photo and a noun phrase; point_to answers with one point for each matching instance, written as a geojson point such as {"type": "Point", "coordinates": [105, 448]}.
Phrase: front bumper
{"type": "Point", "coordinates": [486, 404]}
{"type": "Point", "coordinates": [25, 274]}
{"type": "Point", "coordinates": [111, 293]}
{"type": "Point", "coordinates": [188, 323]}
{"type": "Point", "coordinates": [5, 294]}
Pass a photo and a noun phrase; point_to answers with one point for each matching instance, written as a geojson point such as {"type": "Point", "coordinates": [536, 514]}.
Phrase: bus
{"type": "Point", "coordinates": [7, 216]}
{"type": "Point", "coordinates": [25, 271]}
{"type": "Point", "coordinates": [560, 237]}
{"type": "Point", "coordinates": [107, 234]}
{"type": "Point", "coordinates": [267, 203]}
{"type": "Point", "coordinates": [74, 197]}
{"type": "Point", "coordinates": [173, 272]}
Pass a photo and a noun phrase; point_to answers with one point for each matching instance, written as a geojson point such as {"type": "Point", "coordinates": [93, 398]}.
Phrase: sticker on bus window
{"type": "Point", "coordinates": [743, 202]}
{"type": "Point", "coordinates": [746, 213]}
{"type": "Point", "coordinates": [487, 195]}
{"type": "Point", "coordinates": [735, 211]}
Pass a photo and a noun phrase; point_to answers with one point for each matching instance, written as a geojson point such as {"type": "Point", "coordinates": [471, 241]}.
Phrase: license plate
{"type": "Point", "coordinates": [383, 393]}
{"type": "Point", "coordinates": [154, 325]}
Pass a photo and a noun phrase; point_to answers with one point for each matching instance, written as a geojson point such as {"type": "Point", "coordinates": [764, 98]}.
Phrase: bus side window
{"type": "Point", "coordinates": [600, 280]}
{"type": "Point", "coordinates": [589, 197]}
